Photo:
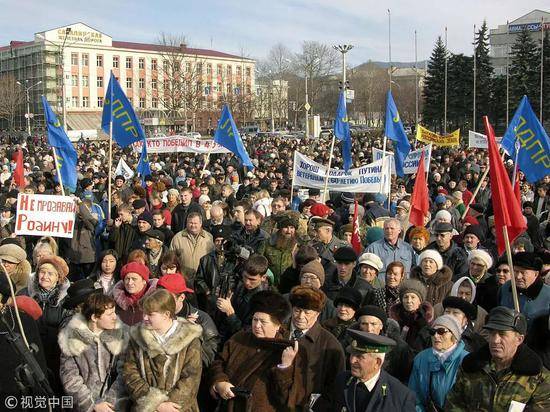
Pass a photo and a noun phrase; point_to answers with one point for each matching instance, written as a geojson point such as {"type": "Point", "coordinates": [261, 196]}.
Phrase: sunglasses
{"type": "Point", "coordinates": [438, 331]}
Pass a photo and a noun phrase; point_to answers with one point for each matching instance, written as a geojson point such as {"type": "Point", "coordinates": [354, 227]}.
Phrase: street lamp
{"type": "Point", "coordinates": [28, 114]}
{"type": "Point", "coordinates": [343, 48]}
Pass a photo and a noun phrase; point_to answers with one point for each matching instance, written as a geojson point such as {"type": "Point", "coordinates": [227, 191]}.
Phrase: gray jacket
{"type": "Point", "coordinates": [86, 359]}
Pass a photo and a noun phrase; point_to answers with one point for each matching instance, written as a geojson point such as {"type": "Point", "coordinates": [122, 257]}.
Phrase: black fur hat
{"type": "Point", "coordinates": [272, 303]}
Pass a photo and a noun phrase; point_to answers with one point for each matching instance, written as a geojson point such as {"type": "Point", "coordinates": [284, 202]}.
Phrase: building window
{"type": "Point", "coordinates": [74, 101]}
{"type": "Point", "coordinates": [154, 84]}
{"type": "Point", "coordinates": [74, 59]}
{"type": "Point", "coordinates": [238, 71]}
{"type": "Point", "coordinates": [85, 81]}
{"type": "Point", "coordinates": [99, 82]}
{"type": "Point", "coordinates": [176, 67]}
{"type": "Point", "coordinates": [155, 103]}
{"type": "Point", "coordinates": [100, 102]}
{"type": "Point", "coordinates": [165, 65]}
{"type": "Point", "coordinates": [128, 62]}
{"type": "Point", "coordinates": [115, 62]}
{"type": "Point", "coordinates": [154, 64]}
{"type": "Point", "coordinates": [142, 102]}
{"type": "Point", "coordinates": [141, 63]}
{"type": "Point", "coordinates": [141, 83]}
{"type": "Point", "coordinates": [219, 87]}
{"type": "Point", "coordinates": [248, 72]}
{"type": "Point", "coordinates": [85, 60]}
{"type": "Point", "coordinates": [208, 68]}
{"type": "Point", "coordinates": [187, 67]}
{"type": "Point", "coordinates": [228, 88]}
{"type": "Point", "coordinates": [74, 80]}
{"type": "Point", "coordinates": [99, 60]}
{"type": "Point", "coordinates": [247, 89]}
{"type": "Point", "coordinates": [229, 71]}
{"type": "Point", "coordinates": [85, 101]}
{"type": "Point", "coordinates": [219, 70]}
{"type": "Point", "coordinates": [199, 67]}
{"type": "Point", "coordinates": [129, 83]}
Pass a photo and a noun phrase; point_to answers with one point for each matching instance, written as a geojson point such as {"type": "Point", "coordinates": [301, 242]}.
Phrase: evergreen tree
{"type": "Point", "coordinates": [484, 75]}
{"type": "Point", "coordinates": [497, 112]}
{"type": "Point", "coordinates": [524, 71]}
{"type": "Point", "coordinates": [459, 92]}
{"type": "Point", "coordinates": [546, 80]}
{"type": "Point", "coordinates": [434, 88]}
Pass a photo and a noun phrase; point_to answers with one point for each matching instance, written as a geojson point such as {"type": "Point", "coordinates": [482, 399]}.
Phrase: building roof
{"type": "Point", "coordinates": [15, 44]}
{"type": "Point", "coordinates": [532, 17]}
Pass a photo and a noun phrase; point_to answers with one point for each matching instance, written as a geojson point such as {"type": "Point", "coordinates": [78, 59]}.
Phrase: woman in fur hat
{"type": "Point", "coordinates": [436, 277]}
{"type": "Point", "coordinates": [275, 370]}
{"type": "Point", "coordinates": [92, 345]}
{"type": "Point", "coordinates": [162, 370]}
{"type": "Point", "coordinates": [15, 261]}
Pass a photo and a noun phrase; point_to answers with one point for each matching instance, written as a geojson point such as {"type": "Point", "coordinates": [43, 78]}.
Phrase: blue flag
{"type": "Point", "coordinates": [143, 167]}
{"type": "Point", "coordinates": [118, 109]}
{"type": "Point", "coordinates": [341, 130]}
{"type": "Point", "coordinates": [394, 131]}
{"type": "Point", "coordinates": [66, 156]}
{"type": "Point", "coordinates": [228, 136]}
{"type": "Point", "coordinates": [534, 152]}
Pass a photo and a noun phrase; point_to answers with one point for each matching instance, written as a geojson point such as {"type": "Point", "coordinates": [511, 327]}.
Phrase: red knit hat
{"type": "Point", "coordinates": [174, 283]}
{"type": "Point", "coordinates": [135, 267]}
{"type": "Point", "coordinates": [320, 209]}
{"type": "Point", "coordinates": [29, 306]}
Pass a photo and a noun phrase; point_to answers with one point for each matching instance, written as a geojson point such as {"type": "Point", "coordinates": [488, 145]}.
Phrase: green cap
{"type": "Point", "coordinates": [364, 342]}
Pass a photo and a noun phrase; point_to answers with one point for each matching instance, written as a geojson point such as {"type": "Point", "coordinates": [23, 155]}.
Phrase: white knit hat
{"type": "Point", "coordinates": [481, 254]}
{"type": "Point", "coordinates": [443, 215]}
{"type": "Point", "coordinates": [431, 254]}
{"type": "Point", "coordinates": [372, 260]}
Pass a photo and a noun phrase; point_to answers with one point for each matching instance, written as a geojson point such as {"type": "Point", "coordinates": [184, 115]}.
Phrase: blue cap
{"type": "Point", "coordinates": [440, 199]}
{"type": "Point", "coordinates": [379, 198]}
{"type": "Point", "coordinates": [87, 195]}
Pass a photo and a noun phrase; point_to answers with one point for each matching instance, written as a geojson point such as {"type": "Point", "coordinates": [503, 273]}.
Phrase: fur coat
{"type": "Point", "coordinates": [87, 358]}
{"type": "Point", "coordinates": [171, 372]}
{"type": "Point", "coordinates": [438, 285]}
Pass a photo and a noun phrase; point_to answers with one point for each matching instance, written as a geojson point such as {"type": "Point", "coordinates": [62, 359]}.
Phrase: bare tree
{"type": "Point", "coordinates": [370, 84]}
{"type": "Point", "coordinates": [11, 98]}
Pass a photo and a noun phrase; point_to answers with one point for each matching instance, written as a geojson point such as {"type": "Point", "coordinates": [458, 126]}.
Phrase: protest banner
{"type": "Point", "coordinates": [45, 215]}
{"type": "Point", "coordinates": [364, 179]}
{"type": "Point", "coordinates": [172, 144]}
{"type": "Point", "coordinates": [427, 136]}
{"type": "Point", "coordinates": [410, 165]}
{"type": "Point", "coordinates": [479, 140]}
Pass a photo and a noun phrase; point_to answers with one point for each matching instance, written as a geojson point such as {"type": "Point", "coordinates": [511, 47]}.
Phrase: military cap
{"type": "Point", "coordinates": [364, 342]}
{"type": "Point", "coordinates": [503, 318]}
{"type": "Point", "coordinates": [443, 227]}
{"type": "Point", "coordinates": [320, 222]}
{"type": "Point", "coordinates": [345, 254]}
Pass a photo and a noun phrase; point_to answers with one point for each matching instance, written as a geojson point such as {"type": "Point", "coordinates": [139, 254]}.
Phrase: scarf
{"type": "Point", "coordinates": [46, 296]}
{"type": "Point", "coordinates": [134, 299]}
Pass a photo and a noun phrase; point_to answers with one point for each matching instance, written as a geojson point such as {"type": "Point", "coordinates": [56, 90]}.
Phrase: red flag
{"type": "Point", "coordinates": [355, 239]}
{"type": "Point", "coordinates": [506, 213]}
{"type": "Point", "coordinates": [420, 204]}
{"type": "Point", "coordinates": [516, 188]}
{"type": "Point", "coordinates": [19, 172]}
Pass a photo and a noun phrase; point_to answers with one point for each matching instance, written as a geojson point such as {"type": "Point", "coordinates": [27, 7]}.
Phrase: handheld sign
{"type": "Point", "coordinates": [44, 215]}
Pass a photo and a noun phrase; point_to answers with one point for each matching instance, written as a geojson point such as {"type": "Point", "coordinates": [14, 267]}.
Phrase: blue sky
{"type": "Point", "coordinates": [255, 25]}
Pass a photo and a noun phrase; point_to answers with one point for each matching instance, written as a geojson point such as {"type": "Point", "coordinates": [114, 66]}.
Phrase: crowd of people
{"type": "Point", "coordinates": [202, 288]}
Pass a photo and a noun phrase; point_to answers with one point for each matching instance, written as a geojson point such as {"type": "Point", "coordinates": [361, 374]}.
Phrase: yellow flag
{"type": "Point", "coordinates": [427, 136]}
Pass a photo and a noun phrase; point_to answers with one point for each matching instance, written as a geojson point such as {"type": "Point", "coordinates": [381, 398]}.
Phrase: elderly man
{"type": "Point", "coordinates": [280, 247]}
{"type": "Point", "coordinates": [251, 235]}
{"type": "Point", "coordinates": [391, 248]}
{"type": "Point", "coordinates": [533, 294]}
{"type": "Point", "coordinates": [453, 256]}
{"type": "Point", "coordinates": [191, 244]}
{"type": "Point", "coordinates": [505, 375]}
{"type": "Point", "coordinates": [325, 356]}
{"type": "Point", "coordinates": [366, 386]}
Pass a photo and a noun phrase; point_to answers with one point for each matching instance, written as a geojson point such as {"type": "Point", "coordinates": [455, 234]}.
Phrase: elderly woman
{"type": "Point", "coordinates": [106, 273]}
{"type": "Point", "coordinates": [313, 274]}
{"type": "Point", "coordinates": [434, 275]}
{"type": "Point", "coordinates": [367, 279]}
{"type": "Point", "coordinates": [275, 372]}
{"type": "Point", "coordinates": [387, 296]}
{"type": "Point", "coordinates": [435, 369]}
{"type": "Point", "coordinates": [162, 368]}
{"type": "Point", "coordinates": [135, 284]}
{"type": "Point", "coordinates": [92, 348]}
{"type": "Point", "coordinates": [502, 271]}
{"type": "Point", "coordinates": [419, 238]}
{"type": "Point", "coordinates": [347, 302]}
{"type": "Point", "coordinates": [15, 261]}
{"type": "Point", "coordinates": [479, 263]}
{"type": "Point", "coordinates": [48, 287]}
{"type": "Point", "coordinates": [46, 246]}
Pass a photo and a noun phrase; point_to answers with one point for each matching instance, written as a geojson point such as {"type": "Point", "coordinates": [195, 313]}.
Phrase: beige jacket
{"type": "Point", "coordinates": [190, 249]}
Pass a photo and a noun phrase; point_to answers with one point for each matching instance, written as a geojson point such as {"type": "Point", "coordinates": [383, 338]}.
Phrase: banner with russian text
{"type": "Point", "coordinates": [479, 140]}
{"type": "Point", "coordinates": [427, 136]}
{"type": "Point", "coordinates": [171, 144]}
{"type": "Point", "coordinates": [45, 215]}
{"type": "Point", "coordinates": [364, 179]}
{"type": "Point", "coordinates": [410, 165]}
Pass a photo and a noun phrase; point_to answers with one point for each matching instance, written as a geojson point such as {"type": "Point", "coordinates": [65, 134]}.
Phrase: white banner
{"type": "Point", "coordinates": [479, 140]}
{"type": "Point", "coordinates": [45, 215]}
{"type": "Point", "coordinates": [172, 144]}
{"type": "Point", "coordinates": [124, 170]}
{"type": "Point", "coordinates": [410, 165]}
{"type": "Point", "coordinates": [364, 179]}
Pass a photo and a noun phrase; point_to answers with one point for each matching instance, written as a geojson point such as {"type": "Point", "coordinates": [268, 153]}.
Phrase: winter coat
{"type": "Point", "coordinates": [279, 259]}
{"type": "Point", "coordinates": [388, 395]}
{"type": "Point", "coordinates": [455, 258]}
{"type": "Point", "coordinates": [384, 297]}
{"type": "Point", "coordinates": [121, 238]}
{"type": "Point", "coordinates": [438, 285]}
{"type": "Point", "coordinates": [171, 372]}
{"type": "Point", "coordinates": [179, 215]}
{"type": "Point", "coordinates": [533, 301]}
{"type": "Point", "coordinates": [190, 249]}
{"type": "Point", "coordinates": [338, 328]}
{"type": "Point", "coordinates": [255, 241]}
{"type": "Point", "coordinates": [479, 388]}
{"type": "Point", "coordinates": [130, 313]}
{"type": "Point", "coordinates": [82, 244]}
{"type": "Point", "coordinates": [486, 291]}
{"type": "Point", "coordinates": [538, 339]}
{"type": "Point", "coordinates": [414, 325]}
{"type": "Point", "coordinates": [251, 363]}
{"type": "Point", "coordinates": [88, 360]}
{"type": "Point", "coordinates": [431, 380]}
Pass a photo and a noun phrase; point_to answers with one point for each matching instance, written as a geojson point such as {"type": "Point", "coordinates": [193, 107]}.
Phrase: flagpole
{"type": "Point", "coordinates": [507, 75]}
{"type": "Point", "coordinates": [517, 145]}
{"type": "Point", "coordinates": [325, 189]}
{"type": "Point", "coordinates": [445, 101]}
{"type": "Point", "coordinates": [475, 75]}
{"type": "Point", "coordinates": [58, 171]}
{"type": "Point", "coordinates": [292, 181]}
{"type": "Point", "coordinates": [415, 82]}
{"type": "Point", "coordinates": [511, 266]}
{"type": "Point", "coordinates": [109, 187]}
{"type": "Point", "coordinates": [541, 66]}
{"type": "Point", "coordinates": [483, 176]}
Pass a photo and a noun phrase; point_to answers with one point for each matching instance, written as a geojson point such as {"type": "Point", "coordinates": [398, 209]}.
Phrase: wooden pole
{"type": "Point", "coordinates": [510, 264]}
{"type": "Point", "coordinates": [58, 171]}
{"type": "Point", "coordinates": [325, 189]}
{"type": "Point", "coordinates": [109, 186]}
{"type": "Point", "coordinates": [475, 192]}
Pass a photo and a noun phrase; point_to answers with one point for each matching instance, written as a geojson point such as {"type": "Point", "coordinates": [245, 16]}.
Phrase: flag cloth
{"type": "Point", "coordinates": [355, 238]}
{"type": "Point", "coordinates": [507, 214]}
{"type": "Point", "coordinates": [118, 109]}
{"type": "Point", "coordinates": [122, 169]}
{"type": "Point", "coordinates": [65, 154]}
{"type": "Point", "coordinates": [394, 131]}
{"type": "Point", "coordinates": [228, 136]}
{"type": "Point", "coordinates": [143, 168]}
{"type": "Point", "coordinates": [19, 172]}
{"type": "Point", "coordinates": [341, 130]}
{"type": "Point", "coordinates": [420, 204]}
{"type": "Point", "coordinates": [534, 153]}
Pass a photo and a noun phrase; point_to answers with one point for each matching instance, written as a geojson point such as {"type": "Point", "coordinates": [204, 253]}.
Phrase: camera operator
{"type": "Point", "coordinates": [236, 306]}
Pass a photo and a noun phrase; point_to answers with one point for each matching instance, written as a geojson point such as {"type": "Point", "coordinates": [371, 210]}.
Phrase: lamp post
{"type": "Point", "coordinates": [28, 114]}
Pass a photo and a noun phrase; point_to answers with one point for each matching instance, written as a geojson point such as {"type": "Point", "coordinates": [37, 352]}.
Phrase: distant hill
{"type": "Point", "coordinates": [385, 65]}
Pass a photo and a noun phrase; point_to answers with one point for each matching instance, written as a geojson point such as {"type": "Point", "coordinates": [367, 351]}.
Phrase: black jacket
{"type": "Point", "coordinates": [455, 258]}
{"type": "Point", "coordinates": [255, 240]}
{"type": "Point", "coordinates": [179, 215]}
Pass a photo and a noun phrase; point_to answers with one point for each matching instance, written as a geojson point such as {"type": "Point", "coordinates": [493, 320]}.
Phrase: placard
{"type": "Point", "coordinates": [45, 215]}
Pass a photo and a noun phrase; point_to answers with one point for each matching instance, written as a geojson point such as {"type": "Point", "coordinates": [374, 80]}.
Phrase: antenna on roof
{"type": "Point", "coordinates": [211, 42]}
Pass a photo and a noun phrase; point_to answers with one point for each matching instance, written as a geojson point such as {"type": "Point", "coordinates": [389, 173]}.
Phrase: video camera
{"type": "Point", "coordinates": [234, 255]}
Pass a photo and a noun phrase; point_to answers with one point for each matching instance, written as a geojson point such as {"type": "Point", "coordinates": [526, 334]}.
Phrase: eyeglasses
{"type": "Point", "coordinates": [438, 331]}
{"type": "Point", "coordinates": [310, 278]}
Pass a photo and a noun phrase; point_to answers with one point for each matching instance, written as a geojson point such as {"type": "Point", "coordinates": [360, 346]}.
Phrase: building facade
{"type": "Point", "coordinates": [504, 36]}
{"type": "Point", "coordinates": [271, 104]}
{"type": "Point", "coordinates": [171, 86]}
